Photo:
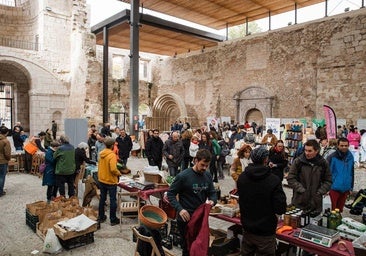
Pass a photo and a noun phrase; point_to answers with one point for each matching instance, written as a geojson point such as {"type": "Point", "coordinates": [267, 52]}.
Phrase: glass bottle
{"type": "Point", "coordinates": [325, 218]}
{"type": "Point", "coordinates": [339, 216]}
{"type": "Point", "coordinates": [333, 220]}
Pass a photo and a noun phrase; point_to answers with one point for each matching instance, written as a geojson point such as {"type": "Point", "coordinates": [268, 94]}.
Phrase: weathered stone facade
{"type": "Point", "coordinates": [45, 52]}
{"type": "Point", "coordinates": [300, 68]}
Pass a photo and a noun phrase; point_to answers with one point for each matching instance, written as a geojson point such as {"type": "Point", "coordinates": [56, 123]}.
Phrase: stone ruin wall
{"type": "Point", "coordinates": [303, 66]}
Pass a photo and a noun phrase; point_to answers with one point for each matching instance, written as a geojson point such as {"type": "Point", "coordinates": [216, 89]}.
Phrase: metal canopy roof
{"type": "Point", "coordinates": [157, 35]}
{"type": "Point", "coordinates": [218, 14]}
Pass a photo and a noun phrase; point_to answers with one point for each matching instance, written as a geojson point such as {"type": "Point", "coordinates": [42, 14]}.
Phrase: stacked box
{"type": "Point", "coordinates": [77, 241]}
{"type": "Point", "coordinates": [31, 220]}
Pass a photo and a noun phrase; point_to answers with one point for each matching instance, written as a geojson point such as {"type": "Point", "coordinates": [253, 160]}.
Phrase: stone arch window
{"type": "Point", "coordinates": [252, 100]}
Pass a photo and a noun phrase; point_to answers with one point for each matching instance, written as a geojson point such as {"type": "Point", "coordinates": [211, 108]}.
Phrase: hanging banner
{"type": "Point", "coordinates": [331, 121]}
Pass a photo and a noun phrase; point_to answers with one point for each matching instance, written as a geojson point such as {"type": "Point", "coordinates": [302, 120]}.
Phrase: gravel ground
{"type": "Point", "coordinates": [16, 238]}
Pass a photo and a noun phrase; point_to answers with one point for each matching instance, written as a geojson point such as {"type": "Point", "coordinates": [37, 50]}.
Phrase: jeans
{"type": "Point", "coordinates": [112, 190]}
{"type": "Point", "coordinates": [173, 170]}
{"type": "Point", "coordinates": [3, 171]}
{"type": "Point", "coordinates": [182, 227]}
{"type": "Point", "coordinates": [258, 245]}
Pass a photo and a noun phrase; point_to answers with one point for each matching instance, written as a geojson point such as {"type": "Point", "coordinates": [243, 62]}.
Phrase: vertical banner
{"type": "Point", "coordinates": [274, 124]}
{"type": "Point", "coordinates": [331, 121]}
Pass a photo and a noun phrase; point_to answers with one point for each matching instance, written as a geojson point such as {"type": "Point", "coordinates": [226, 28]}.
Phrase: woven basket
{"type": "Point", "coordinates": [152, 216]}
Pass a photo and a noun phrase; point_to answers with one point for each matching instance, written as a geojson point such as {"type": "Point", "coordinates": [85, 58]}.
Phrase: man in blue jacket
{"type": "Point", "coordinates": [341, 165]}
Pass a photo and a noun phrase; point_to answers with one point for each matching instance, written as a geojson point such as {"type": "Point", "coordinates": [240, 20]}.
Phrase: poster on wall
{"type": "Point", "coordinates": [361, 124]}
{"type": "Point", "coordinates": [214, 122]}
{"type": "Point", "coordinates": [274, 124]}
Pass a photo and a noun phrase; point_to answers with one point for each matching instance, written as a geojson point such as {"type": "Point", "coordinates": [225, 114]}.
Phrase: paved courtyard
{"type": "Point", "coordinates": [18, 239]}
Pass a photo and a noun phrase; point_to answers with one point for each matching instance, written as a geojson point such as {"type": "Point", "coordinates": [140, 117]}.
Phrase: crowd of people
{"type": "Point", "coordinates": [197, 158]}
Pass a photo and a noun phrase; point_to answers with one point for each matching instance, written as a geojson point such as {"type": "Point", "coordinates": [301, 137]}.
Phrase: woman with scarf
{"type": "Point", "coordinates": [277, 159]}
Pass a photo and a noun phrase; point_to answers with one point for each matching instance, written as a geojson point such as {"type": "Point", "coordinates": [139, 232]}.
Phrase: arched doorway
{"type": "Point", "coordinates": [254, 115]}
{"type": "Point", "coordinates": [253, 103]}
{"type": "Point", "coordinates": [166, 110]}
{"type": "Point", "coordinates": [14, 102]}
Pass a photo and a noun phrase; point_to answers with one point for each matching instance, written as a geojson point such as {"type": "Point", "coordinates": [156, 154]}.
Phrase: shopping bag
{"type": "Point", "coordinates": [31, 148]}
{"type": "Point", "coordinates": [42, 168]}
{"type": "Point", "coordinates": [51, 242]}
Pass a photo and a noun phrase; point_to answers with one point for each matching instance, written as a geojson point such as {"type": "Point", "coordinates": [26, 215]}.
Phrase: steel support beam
{"type": "Point", "coordinates": [134, 63]}
{"type": "Point", "coordinates": [105, 74]}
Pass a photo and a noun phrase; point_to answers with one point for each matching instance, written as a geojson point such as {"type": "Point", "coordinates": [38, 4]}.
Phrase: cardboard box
{"type": "Point", "coordinates": [65, 234]}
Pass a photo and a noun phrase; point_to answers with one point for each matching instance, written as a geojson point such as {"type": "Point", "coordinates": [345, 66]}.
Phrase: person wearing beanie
{"type": "Point", "coordinates": [261, 197]}
{"type": "Point", "coordinates": [108, 177]}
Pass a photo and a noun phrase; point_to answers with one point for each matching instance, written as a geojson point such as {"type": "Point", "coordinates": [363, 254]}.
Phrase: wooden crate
{"type": "Point", "coordinates": [66, 235]}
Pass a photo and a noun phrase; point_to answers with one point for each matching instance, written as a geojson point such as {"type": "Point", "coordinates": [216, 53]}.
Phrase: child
{"type": "Point", "coordinates": [193, 147]}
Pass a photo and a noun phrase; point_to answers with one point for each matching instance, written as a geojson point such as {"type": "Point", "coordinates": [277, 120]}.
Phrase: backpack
{"type": "Point", "coordinates": [224, 148]}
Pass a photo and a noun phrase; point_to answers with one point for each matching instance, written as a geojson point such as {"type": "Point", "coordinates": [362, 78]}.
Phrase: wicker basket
{"type": "Point", "coordinates": [152, 216]}
{"type": "Point", "coordinates": [150, 177]}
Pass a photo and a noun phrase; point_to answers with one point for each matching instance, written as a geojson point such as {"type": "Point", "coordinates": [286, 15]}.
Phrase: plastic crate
{"type": "Point", "coordinates": [31, 220]}
{"type": "Point", "coordinates": [77, 241]}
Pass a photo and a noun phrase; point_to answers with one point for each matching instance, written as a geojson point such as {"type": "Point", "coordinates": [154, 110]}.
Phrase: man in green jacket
{"type": "Point", "coordinates": [65, 166]}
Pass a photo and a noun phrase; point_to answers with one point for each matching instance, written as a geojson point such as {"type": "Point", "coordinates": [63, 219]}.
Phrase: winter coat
{"type": "Point", "coordinates": [65, 159]}
{"type": "Point", "coordinates": [49, 173]}
{"type": "Point", "coordinates": [80, 158]}
{"type": "Point", "coordinates": [18, 141]}
{"type": "Point", "coordinates": [186, 143]}
{"type": "Point", "coordinates": [154, 148]}
{"type": "Point", "coordinates": [354, 139]}
{"type": "Point", "coordinates": [238, 166]}
{"type": "Point", "coordinates": [5, 149]}
{"type": "Point", "coordinates": [280, 160]}
{"type": "Point", "coordinates": [174, 148]}
{"type": "Point", "coordinates": [309, 180]}
{"type": "Point", "coordinates": [261, 197]}
{"type": "Point", "coordinates": [107, 167]}
{"type": "Point", "coordinates": [124, 145]}
{"type": "Point", "coordinates": [341, 166]}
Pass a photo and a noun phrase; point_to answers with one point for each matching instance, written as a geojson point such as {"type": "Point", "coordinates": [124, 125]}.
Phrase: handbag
{"type": "Point", "coordinates": [31, 148]}
{"type": "Point", "coordinates": [42, 168]}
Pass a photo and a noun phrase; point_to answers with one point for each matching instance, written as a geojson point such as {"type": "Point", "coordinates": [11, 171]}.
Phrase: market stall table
{"type": "Point", "coordinates": [288, 237]}
{"type": "Point", "coordinates": [145, 194]}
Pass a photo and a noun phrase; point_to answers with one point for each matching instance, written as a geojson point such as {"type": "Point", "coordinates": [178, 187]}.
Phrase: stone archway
{"type": "Point", "coordinates": [166, 110]}
{"type": "Point", "coordinates": [252, 100]}
{"type": "Point", "coordinates": [254, 115]}
{"type": "Point", "coordinates": [17, 77]}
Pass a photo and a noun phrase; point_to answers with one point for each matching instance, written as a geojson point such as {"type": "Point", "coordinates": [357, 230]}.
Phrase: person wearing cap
{"type": "Point", "coordinates": [108, 177]}
{"type": "Point", "coordinates": [310, 179]}
{"type": "Point", "coordinates": [5, 155]}
{"type": "Point", "coordinates": [261, 197]}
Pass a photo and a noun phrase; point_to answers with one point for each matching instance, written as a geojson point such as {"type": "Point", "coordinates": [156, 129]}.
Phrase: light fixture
{"type": "Point", "coordinates": [346, 9]}
{"type": "Point", "coordinates": [2, 86]}
{"type": "Point", "coordinates": [49, 9]}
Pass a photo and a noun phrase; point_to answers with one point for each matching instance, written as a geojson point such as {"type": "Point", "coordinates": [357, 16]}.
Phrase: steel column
{"type": "Point", "coordinates": [134, 62]}
{"type": "Point", "coordinates": [105, 74]}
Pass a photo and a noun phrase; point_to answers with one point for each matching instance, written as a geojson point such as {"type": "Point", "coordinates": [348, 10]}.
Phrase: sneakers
{"type": "Point", "coordinates": [115, 222]}
{"type": "Point", "coordinates": [3, 194]}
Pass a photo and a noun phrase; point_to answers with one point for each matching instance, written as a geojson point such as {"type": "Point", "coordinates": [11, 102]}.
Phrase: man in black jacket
{"type": "Point", "coordinates": [154, 149]}
{"type": "Point", "coordinates": [124, 144]}
{"type": "Point", "coordinates": [261, 197]}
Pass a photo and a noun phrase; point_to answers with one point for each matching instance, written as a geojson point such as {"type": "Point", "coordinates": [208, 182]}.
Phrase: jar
{"type": "Point", "coordinates": [294, 221]}
{"type": "Point", "coordinates": [287, 219]}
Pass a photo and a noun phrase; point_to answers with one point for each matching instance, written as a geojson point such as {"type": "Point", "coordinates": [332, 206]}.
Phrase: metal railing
{"type": "Point", "coordinates": [8, 42]}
